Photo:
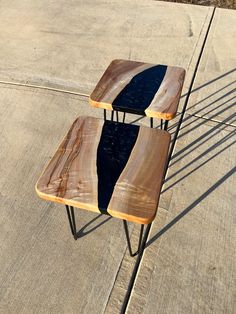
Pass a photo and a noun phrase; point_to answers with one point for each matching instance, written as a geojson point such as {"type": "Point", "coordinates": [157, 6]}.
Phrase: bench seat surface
{"type": "Point", "coordinates": [140, 88]}
{"type": "Point", "coordinates": [108, 167]}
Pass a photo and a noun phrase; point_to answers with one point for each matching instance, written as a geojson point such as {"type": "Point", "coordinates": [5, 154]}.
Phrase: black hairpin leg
{"type": "Point", "coordinates": [71, 218]}
{"type": "Point", "coordinates": [105, 114]}
{"type": "Point", "coordinates": [112, 115]}
{"type": "Point", "coordinates": [123, 117]}
{"type": "Point", "coordinates": [166, 125]}
{"type": "Point", "coordinates": [161, 124]}
{"type": "Point", "coordinates": [128, 239]}
{"type": "Point", "coordinates": [151, 122]}
{"type": "Point", "coordinates": [117, 116]}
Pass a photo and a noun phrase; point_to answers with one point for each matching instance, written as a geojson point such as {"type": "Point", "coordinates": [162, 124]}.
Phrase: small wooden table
{"type": "Point", "coordinates": [140, 88]}
{"type": "Point", "coordinates": [107, 167]}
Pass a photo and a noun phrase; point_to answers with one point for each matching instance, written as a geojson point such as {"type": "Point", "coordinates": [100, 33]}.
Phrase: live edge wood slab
{"type": "Point", "coordinates": [108, 167]}
{"type": "Point", "coordinates": [140, 88]}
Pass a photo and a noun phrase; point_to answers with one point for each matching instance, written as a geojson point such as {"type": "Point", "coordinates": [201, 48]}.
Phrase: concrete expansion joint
{"type": "Point", "coordinates": [211, 120]}
{"type": "Point", "coordinates": [139, 261]}
{"type": "Point", "coordinates": [44, 87]}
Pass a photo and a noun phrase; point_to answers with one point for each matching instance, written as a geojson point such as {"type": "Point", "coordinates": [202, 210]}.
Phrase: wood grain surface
{"type": "Point", "coordinates": [140, 88]}
{"type": "Point", "coordinates": [108, 167]}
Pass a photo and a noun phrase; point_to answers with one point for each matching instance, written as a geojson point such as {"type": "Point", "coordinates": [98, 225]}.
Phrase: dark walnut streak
{"type": "Point", "coordinates": [108, 167]}
{"type": "Point", "coordinates": [140, 88]}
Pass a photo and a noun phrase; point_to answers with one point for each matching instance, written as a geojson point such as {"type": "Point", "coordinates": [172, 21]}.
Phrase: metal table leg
{"type": "Point", "coordinates": [123, 117]}
{"type": "Point", "coordinates": [117, 116]}
{"type": "Point", "coordinates": [166, 125]}
{"type": "Point", "coordinates": [128, 239]}
{"type": "Point", "coordinates": [151, 122]}
{"type": "Point", "coordinates": [71, 218]}
{"type": "Point", "coordinates": [105, 114]}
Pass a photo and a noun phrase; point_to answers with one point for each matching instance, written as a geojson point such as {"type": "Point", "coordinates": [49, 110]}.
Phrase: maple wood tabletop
{"type": "Point", "coordinates": [108, 167]}
{"type": "Point", "coordinates": [140, 88]}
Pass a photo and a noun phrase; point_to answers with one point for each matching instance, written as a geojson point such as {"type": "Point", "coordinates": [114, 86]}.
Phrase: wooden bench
{"type": "Point", "coordinates": [108, 167]}
{"type": "Point", "coordinates": [140, 88]}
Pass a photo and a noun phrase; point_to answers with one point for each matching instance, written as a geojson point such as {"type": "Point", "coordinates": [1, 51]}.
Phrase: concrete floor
{"type": "Point", "coordinates": [189, 264]}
